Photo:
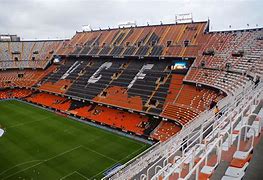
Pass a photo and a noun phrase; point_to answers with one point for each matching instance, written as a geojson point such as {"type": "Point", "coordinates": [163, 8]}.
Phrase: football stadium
{"type": "Point", "coordinates": [161, 101]}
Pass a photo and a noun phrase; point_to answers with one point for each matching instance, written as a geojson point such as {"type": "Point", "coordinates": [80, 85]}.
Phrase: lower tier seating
{"type": "Point", "coordinates": [188, 102]}
{"type": "Point", "coordinates": [165, 130]}
{"type": "Point", "coordinates": [22, 78]}
{"type": "Point", "coordinates": [112, 117]}
{"type": "Point", "coordinates": [197, 97]}
{"type": "Point", "coordinates": [115, 118]}
{"type": "Point", "coordinates": [180, 113]}
{"type": "Point", "coordinates": [46, 99]}
{"type": "Point", "coordinates": [138, 85]}
{"type": "Point", "coordinates": [57, 87]}
{"type": "Point", "coordinates": [15, 93]}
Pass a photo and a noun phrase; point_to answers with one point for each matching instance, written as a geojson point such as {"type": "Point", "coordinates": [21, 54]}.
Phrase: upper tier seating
{"type": "Point", "coordinates": [149, 86]}
{"type": "Point", "coordinates": [152, 41]}
{"type": "Point", "coordinates": [27, 54]}
{"type": "Point", "coordinates": [242, 50]}
{"type": "Point", "coordinates": [223, 80]}
{"type": "Point", "coordinates": [225, 63]}
{"type": "Point", "coordinates": [113, 81]}
{"type": "Point", "coordinates": [229, 60]}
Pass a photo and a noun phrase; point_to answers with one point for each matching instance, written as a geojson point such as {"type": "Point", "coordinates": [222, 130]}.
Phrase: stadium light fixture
{"type": "Point", "coordinates": [86, 27]}
{"type": "Point", "coordinates": [127, 24]}
{"type": "Point", "coordinates": [182, 18]}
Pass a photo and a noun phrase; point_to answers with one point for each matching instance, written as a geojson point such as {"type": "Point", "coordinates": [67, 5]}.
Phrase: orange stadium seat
{"type": "Point", "coordinates": [136, 75]}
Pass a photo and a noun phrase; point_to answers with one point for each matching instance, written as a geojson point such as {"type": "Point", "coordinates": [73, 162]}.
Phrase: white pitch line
{"type": "Point", "coordinates": [67, 175]}
{"type": "Point", "coordinates": [73, 173]}
{"type": "Point", "coordinates": [21, 124]}
{"type": "Point", "coordinates": [18, 165]}
{"type": "Point", "coordinates": [100, 172]}
{"type": "Point", "coordinates": [116, 162]}
{"type": "Point", "coordinates": [43, 161]}
{"type": "Point", "coordinates": [132, 153]}
{"type": "Point", "coordinates": [99, 153]}
{"type": "Point", "coordinates": [81, 175]}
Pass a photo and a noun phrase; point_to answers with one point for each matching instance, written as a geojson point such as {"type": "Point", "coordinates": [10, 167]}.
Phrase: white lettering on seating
{"type": "Point", "coordinates": [140, 74]}
{"type": "Point", "coordinates": [71, 69]}
{"type": "Point", "coordinates": [95, 77]}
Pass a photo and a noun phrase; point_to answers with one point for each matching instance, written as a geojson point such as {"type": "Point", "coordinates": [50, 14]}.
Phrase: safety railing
{"type": "Point", "coordinates": [161, 151]}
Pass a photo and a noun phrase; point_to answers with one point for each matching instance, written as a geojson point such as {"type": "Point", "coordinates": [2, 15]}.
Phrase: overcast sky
{"type": "Point", "coordinates": [43, 19]}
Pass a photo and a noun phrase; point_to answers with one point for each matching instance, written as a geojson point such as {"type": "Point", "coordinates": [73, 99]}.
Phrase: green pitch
{"type": "Point", "coordinates": [41, 145]}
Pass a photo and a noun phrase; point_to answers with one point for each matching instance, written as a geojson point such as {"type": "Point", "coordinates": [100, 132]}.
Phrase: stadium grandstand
{"type": "Point", "coordinates": [191, 96]}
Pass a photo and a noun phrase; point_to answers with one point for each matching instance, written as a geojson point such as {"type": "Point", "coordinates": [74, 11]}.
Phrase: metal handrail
{"type": "Point", "coordinates": [177, 139]}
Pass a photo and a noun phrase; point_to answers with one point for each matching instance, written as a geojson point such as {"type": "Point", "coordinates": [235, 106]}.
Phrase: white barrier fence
{"type": "Point", "coordinates": [192, 133]}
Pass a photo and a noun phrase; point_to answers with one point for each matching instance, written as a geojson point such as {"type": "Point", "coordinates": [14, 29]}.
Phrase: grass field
{"type": "Point", "coordinates": [41, 145]}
